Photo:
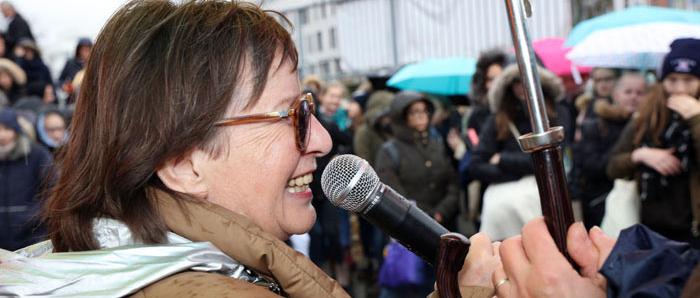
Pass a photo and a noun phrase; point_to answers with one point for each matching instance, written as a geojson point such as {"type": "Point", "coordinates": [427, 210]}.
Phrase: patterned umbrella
{"type": "Point", "coordinates": [641, 46]}
{"type": "Point", "coordinates": [632, 16]}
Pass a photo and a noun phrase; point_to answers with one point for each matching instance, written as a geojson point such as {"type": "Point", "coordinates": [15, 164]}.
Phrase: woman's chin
{"type": "Point", "coordinates": [301, 220]}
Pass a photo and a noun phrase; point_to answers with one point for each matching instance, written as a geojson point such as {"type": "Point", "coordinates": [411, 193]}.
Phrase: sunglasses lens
{"type": "Point", "coordinates": [303, 119]}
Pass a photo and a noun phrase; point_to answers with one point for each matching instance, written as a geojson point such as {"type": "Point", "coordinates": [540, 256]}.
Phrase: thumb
{"type": "Point", "coordinates": [603, 243]}
{"type": "Point", "coordinates": [582, 250]}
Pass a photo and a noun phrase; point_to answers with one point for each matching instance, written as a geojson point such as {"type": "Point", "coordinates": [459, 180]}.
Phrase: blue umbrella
{"type": "Point", "coordinates": [631, 16]}
{"type": "Point", "coordinates": [447, 76]}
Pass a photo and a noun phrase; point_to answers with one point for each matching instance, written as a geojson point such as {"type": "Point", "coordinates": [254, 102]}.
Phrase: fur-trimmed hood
{"type": "Point", "coordinates": [552, 86]}
{"type": "Point", "coordinates": [610, 112]}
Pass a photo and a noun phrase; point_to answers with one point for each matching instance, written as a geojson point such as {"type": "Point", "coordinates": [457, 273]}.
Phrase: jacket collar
{"type": "Point", "coordinates": [247, 243]}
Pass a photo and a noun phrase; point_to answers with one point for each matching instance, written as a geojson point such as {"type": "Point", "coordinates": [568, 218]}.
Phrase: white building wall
{"type": "Point", "coordinates": [429, 29]}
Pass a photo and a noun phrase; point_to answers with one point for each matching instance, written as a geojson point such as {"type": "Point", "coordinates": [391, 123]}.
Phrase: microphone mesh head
{"type": "Point", "coordinates": [338, 176]}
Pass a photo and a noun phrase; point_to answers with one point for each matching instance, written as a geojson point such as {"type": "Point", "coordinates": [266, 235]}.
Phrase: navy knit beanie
{"type": "Point", "coordinates": [684, 57]}
{"type": "Point", "coordinates": [8, 118]}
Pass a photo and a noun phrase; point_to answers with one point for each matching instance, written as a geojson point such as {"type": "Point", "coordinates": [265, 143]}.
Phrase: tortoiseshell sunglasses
{"type": "Point", "coordinates": [299, 112]}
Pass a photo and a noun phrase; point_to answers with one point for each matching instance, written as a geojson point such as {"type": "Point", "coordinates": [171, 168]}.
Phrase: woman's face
{"type": "Point", "coordinates": [603, 81]}
{"type": "Point", "coordinates": [682, 84]}
{"type": "Point", "coordinates": [84, 52]}
{"type": "Point", "coordinates": [331, 99]}
{"type": "Point", "coordinates": [254, 175]}
{"type": "Point", "coordinates": [7, 135]}
{"type": "Point", "coordinates": [55, 127]}
{"type": "Point", "coordinates": [417, 116]}
{"type": "Point", "coordinates": [629, 92]}
{"type": "Point", "coordinates": [491, 73]}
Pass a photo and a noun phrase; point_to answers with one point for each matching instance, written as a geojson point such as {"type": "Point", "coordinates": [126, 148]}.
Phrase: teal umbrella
{"type": "Point", "coordinates": [447, 76]}
{"type": "Point", "coordinates": [632, 16]}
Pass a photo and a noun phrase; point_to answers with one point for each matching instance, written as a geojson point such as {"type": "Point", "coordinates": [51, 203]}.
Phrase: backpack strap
{"type": "Point", "coordinates": [393, 151]}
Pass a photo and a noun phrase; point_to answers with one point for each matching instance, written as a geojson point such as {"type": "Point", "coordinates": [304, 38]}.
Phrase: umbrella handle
{"type": "Point", "coordinates": [544, 142]}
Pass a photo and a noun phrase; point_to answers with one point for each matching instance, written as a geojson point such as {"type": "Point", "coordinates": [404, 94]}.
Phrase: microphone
{"type": "Point", "coordinates": [350, 183]}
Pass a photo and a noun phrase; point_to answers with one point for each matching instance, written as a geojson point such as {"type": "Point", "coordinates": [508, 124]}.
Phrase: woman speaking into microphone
{"type": "Point", "coordinates": [188, 164]}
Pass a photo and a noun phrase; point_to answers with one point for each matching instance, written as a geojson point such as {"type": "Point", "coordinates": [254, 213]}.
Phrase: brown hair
{"type": "Point", "coordinates": [507, 112]}
{"type": "Point", "coordinates": [159, 76]}
{"type": "Point", "coordinates": [653, 116]}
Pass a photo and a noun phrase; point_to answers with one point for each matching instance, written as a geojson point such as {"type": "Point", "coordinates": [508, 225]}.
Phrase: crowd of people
{"type": "Point", "coordinates": [33, 124]}
{"type": "Point", "coordinates": [460, 161]}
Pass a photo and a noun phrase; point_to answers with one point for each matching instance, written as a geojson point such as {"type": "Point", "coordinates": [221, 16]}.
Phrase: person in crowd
{"type": "Point", "coordinates": [12, 80]}
{"type": "Point", "coordinates": [194, 184]}
{"type": "Point", "coordinates": [313, 84]}
{"type": "Point", "coordinates": [463, 142]}
{"type": "Point", "coordinates": [51, 129]}
{"type": "Point", "coordinates": [75, 64]}
{"type": "Point", "coordinates": [489, 65]}
{"type": "Point", "coordinates": [332, 110]}
{"type": "Point", "coordinates": [415, 157]}
{"type": "Point", "coordinates": [23, 168]}
{"type": "Point", "coordinates": [330, 235]}
{"type": "Point", "coordinates": [30, 61]}
{"type": "Point", "coordinates": [598, 136]}
{"type": "Point", "coordinates": [17, 28]}
{"type": "Point", "coordinates": [414, 163]}
{"type": "Point", "coordinates": [602, 82]}
{"type": "Point", "coordinates": [334, 106]}
{"type": "Point", "coordinates": [38, 94]}
{"type": "Point", "coordinates": [661, 147]}
{"type": "Point", "coordinates": [32, 104]}
{"type": "Point", "coordinates": [376, 127]}
{"type": "Point", "coordinates": [362, 93]}
{"type": "Point", "coordinates": [368, 139]}
{"type": "Point", "coordinates": [498, 159]}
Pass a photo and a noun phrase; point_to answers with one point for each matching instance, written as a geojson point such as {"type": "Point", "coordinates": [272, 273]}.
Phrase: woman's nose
{"type": "Point", "coordinates": [320, 142]}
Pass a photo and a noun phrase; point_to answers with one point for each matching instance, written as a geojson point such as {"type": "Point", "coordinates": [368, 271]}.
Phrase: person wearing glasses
{"type": "Point", "coordinates": [414, 163]}
{"type": "Point", "coordinates": [188, 164]}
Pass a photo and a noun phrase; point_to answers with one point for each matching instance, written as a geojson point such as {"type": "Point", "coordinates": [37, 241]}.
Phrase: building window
{"type": "Point", "coordinates": [323, 10]}
{"type": "Point", "coordinates": [303, 16]}
{"type": "Point", "coordinates": [331, 36]}
{"type": "Point", "coordinates": [319, 40]}
{"type": "Point", "coordinates": [312, 69]}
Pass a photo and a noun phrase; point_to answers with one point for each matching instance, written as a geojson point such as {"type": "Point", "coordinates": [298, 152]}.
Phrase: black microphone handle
{"type": "Point", "coordinates": [405, 222]}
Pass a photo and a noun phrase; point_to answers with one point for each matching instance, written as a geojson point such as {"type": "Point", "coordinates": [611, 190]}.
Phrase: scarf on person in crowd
{"type": "Point", "coordinates": [677, 135]}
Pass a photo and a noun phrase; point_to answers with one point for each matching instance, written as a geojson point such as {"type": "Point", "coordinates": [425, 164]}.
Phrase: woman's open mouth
{"type": "Point", "coordinates": [300, 183]}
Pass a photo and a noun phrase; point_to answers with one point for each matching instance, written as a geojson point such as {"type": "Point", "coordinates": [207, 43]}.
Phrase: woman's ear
{"type": "Point", "coordinates": [183, 175]}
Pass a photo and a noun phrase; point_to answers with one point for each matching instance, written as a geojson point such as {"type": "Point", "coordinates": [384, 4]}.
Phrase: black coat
{"type": "Point", "coordinates": [17, 30]}
{"type": "Point", "coordinates": [72, 67]}
{"type": "Point", "coordinates": [514, 163]}
{"type": "Point", "coordinates": [21, 178]}
{"type": "Point", "coordinates": [36, 70]}
{"type": "Point", "coordinates": [419, 168]}
{"type": "Point", "coordinates": [592, 153]}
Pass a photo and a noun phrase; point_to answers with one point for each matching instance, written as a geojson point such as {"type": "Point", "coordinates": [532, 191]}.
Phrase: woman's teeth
{"type": "Point", "coordinates": [299, 184]}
